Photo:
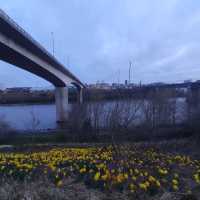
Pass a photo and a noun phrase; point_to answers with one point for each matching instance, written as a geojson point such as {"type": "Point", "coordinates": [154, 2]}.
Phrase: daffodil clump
{"type": "Point", "coordinates": [120, 168]}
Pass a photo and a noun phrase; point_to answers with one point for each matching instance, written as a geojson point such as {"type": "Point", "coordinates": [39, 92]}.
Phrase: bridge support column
{"type": "Point", "coordinates": [62, 109]}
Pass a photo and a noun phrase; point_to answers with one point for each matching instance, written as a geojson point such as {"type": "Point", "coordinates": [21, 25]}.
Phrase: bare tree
{"type": "Point", "coordinates": [35, 122]}
{"type": "Point", "coordinates": [160, 108]}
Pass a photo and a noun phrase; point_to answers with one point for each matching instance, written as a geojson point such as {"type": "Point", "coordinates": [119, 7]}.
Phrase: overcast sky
{"type": "Point", "coordinates": [98, 38]}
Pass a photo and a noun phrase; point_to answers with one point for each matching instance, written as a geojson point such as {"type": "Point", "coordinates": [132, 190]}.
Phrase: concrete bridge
{"type": "Point", "coordinates": [18, 48]}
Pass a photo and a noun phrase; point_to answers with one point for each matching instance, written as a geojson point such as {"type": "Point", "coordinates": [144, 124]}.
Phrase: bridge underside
{"type": "Point", "coordinates": [13, 57]}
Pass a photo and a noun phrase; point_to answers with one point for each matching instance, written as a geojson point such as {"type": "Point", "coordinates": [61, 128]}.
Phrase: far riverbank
{"type": "Point", "coordinates": [47, 96]}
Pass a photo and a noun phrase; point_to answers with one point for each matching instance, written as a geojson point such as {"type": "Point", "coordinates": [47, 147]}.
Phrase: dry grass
{"type": "Point", "coordinates": [44, 190]}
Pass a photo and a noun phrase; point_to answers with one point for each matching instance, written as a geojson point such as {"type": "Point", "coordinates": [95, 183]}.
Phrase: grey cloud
{"type": "Point", "coordinates": [99, 37]}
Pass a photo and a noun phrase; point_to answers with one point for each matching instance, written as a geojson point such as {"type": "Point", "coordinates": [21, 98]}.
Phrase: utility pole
{"type": "Point", "coordinates": [130, 65]}
{"type": "Point", "coordinates": [53, 43]}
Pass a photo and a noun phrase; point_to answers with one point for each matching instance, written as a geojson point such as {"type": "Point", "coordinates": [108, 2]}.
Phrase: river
{"type": "Point", "coordinates": [25, 117]}
{"type": "Point", "coordinates": [43, 116]}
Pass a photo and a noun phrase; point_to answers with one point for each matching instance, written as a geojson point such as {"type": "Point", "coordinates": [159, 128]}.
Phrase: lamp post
{"type": "Point", "coordinates": [53, 43]}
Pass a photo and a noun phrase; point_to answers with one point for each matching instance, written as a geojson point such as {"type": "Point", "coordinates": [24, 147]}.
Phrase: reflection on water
{"type": "Point", "coordinates": [23, 117]}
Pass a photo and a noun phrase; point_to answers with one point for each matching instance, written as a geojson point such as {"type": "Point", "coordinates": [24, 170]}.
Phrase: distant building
{"type": "Point", "coordinates": [118, 86]}
{"type": "Point", "coordinates": [197, 81]}
{"type": "Point", "coordinates": [188, 81]}
{"type": "Point", "coordinates": [104, 86]}
{"type": "Point", "coordinates": [49, 88]}
{"type": "Point", "coordinates": [90, 86]}
{"type": "Point", "coordinates": [157, 84]}
{"type": "Point", "coordinates": [18, 89]}
{"type": "Point", "coordinates": [131, 85]}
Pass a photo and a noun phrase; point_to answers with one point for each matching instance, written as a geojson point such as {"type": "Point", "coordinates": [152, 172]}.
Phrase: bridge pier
{"type": "Point", "coordinates": [62, 108]}
{"type": "Point", "coordinates": [80, 95]}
